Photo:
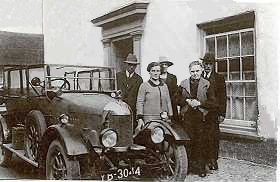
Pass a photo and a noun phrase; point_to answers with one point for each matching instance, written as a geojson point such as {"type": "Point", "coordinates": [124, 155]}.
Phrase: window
{"type": "Point", "coordinates": [235, 55]}
{"type": "Point", "coordinates": [1, 78]}
{"type": "Point", "coordinates": [15, 79]}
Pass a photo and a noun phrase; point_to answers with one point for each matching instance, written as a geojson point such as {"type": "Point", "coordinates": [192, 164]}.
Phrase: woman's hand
{"type": "Point", "coordinates": [140, 124]}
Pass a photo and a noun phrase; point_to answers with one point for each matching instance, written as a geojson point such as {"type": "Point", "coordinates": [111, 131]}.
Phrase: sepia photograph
{"type": "Point", "coordinates": [139, 90]}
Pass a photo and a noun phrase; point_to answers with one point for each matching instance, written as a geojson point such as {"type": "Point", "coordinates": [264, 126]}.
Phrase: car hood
{"type": "Point", "coordinates": [92, 103]}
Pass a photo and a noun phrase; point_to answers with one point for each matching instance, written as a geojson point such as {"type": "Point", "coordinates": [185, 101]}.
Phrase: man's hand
{"type": "Point", "coordinates": [196, 103]}
{"type": "Point", "coordinates": [221, 119]}
{"type": "Point", "coordinates": [193, 103]}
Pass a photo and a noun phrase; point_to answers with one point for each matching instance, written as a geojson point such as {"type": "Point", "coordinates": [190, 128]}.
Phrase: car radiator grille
{"type": "Point", "coordinates": [123, 126]}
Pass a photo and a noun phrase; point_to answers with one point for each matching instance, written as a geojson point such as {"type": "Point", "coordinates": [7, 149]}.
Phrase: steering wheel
{"type": "Point", "coordinates": [65, 84]}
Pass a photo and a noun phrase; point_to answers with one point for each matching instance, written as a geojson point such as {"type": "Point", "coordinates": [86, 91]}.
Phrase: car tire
{"type": "Point", "coordinates": [179, 159]}
{"type": "Point", "coordinates": [35, 126]}
{"type": "Point", "coordinates": [5, 154]}
{"type": "Point", "coordinates": [58, 164]}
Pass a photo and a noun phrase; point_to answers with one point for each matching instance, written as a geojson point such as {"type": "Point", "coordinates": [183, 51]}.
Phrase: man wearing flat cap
{"type": "Point", "coordinates": [129, 82]}
{"type": "Point", "coordinates": [171, 82]}
{"type": "Point", "coordinates": [216, 116]}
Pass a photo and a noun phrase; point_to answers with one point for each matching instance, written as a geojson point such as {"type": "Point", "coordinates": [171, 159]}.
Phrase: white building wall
{"type": "Point", "coordinates": [267, 58]}
{"type": "Point", "coordinates": [70, 37]}
{"type": "Point", "coordinates": [171, 30]}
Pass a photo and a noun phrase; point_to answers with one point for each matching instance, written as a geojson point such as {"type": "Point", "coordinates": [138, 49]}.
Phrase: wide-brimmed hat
{"type": "Point", "coordinates": [208, 58]}
{"type": "Point", "coordinates": [165, 60]}
{"type": "Point", "coordinates": [131, 59]}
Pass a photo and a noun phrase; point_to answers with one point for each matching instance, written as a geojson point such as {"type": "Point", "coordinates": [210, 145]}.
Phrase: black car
{"type": "Point", "coordinates": [70, 123]}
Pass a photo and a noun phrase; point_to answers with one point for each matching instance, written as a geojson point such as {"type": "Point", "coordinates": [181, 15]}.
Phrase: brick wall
{"type": "Point", "coordinates": [258, 151]}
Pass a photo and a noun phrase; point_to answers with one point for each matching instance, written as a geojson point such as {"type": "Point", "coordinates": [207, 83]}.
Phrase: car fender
{"type": "Point", "coordinates": [72, 141]}
{"type": "Point", "coordinates": [172, 129]}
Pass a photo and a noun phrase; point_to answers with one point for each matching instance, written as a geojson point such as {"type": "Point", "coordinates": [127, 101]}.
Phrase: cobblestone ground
{"type": "Point", "coordinates": [232, 170]}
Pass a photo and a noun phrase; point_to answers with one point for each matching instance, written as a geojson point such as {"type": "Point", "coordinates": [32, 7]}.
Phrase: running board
{"type": "Point", "coordinates": [20, 154]}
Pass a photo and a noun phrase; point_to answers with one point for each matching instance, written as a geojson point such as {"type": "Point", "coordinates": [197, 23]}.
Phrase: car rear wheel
{"type": "Point", "coordinates": [5, 155]}
{"type": "Point", "coordinates": [58, 164]}
{"type": "Point", "coordinates": [35, 126]}
{"type": "Point", "coordinates": [175, 163]}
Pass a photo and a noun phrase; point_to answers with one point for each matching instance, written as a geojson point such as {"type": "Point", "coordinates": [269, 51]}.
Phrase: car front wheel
{"type": "Point", "coordinates": [58, 164]}
{"type": "Point", "coordinates": [175, 163]}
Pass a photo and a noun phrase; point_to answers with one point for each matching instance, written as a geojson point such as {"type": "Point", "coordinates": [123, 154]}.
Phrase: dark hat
{"type": "Point", "coordinates": [152, 64]}
{"type": "Point", "coordinates": [208, 58]}
{"type": "Point", "coordinates": [165, 60]}
{"type": "Point", "coordinates": [131, 59]}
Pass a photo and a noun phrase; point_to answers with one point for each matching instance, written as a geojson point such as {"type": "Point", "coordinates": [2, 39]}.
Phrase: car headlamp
{"type": "Point", "coordinates": [164, 115]}
{"type": "Point", "coordinates": [64, 118]}
{"type": "Point", "coordinates": [113, 94]}
{"type": "Point", "coordinates": [108, 138]}
{"type": "Point", "coordinates": [157, 135]}
{"type": "Point", "coordinates": [117, 94]}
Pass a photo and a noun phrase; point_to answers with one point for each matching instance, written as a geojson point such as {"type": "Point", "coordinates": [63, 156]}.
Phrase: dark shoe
{"type": "Point", "coordinates": [202, 170]}
{"type": "Point", "coordinates": [213, 165]}
{"type": "Point", "coordinates": [202, 174]}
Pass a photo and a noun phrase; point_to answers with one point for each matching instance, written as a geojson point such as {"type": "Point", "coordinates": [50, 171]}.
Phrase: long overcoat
{"type": "Point", "coordinates": [217, 81]}
{"type": "Point", "coordinates": [129, 88]}
{"type": "Point", "coordinates": [171, 82]}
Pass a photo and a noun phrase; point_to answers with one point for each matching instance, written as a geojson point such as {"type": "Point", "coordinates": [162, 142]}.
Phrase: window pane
{"type": "Point", "coordinates": [237, 108]}
{"type": "Point", "coordinates": [222, 67]}
{"type": "Point", "coordinates": [221, 46]}
{"type": "Point", "coordinates": [210, 45]}
{"type": "Point", "coordinates": [15, 79]}
{"type": "Point", "coordinates": [237, 89]}
{"type": "Point", "coordinates": [250, 89]}
{"type": "Point", "coordinates": [228, 109]}
{"type": "Point", "coordinates": [24, 84]}
{"type": "Point", "coordinates": [251, 109]}
{"type": "Point", "coordinates": [248, 67]}
{"type": "Point", "coordinates": [234, 48]}
{"type": "Point", "coordinates": [83, 82]}
{"type": "Point", "coordinates": [229, 88]}
{"type": "Point", "coordinates": [247, 43]}
{"type": "Point", "coordinates": [234, 69]}
{"type": "Point", "coordinates": [1, 78]}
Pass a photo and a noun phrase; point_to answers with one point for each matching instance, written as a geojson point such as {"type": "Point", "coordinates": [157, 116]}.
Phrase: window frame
{"type": "Point", "coordinates": [230, 125]}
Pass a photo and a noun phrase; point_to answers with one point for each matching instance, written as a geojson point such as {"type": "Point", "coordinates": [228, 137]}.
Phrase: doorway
{"type": "Point", "coordinates": [121, 49]}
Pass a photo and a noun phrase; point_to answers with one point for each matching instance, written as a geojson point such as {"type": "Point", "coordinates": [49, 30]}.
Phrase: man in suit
{"type": "Point", "coordinates": [129, 82]}
{"type": "Point", "coordinates": [171, 82]}
{"type": "Point", "coordinates": [215, 117]}
{"type": "Point", "coordinates": [196, 98]}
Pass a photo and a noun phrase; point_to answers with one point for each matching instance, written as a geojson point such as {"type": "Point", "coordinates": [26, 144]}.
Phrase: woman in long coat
{"type": "Point", "coordinates": [153, 97]}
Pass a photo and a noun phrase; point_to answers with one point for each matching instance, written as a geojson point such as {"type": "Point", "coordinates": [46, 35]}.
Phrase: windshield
{"type": "Point", "coordinates": [79, 78]}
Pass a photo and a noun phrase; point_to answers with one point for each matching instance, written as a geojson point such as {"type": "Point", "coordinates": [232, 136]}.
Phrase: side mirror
{"type": "Point", "coordinates": [35, 81]}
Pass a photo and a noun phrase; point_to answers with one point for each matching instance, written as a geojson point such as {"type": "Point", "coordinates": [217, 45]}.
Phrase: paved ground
{"type": "Point", "coordinates": [230, 170]}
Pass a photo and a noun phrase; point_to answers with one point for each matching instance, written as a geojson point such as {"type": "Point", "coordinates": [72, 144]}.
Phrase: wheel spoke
{"type": "Point", "coordinates": [29, 137]}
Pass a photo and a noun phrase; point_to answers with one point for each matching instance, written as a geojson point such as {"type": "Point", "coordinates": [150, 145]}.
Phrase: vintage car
{"type": "Point", "coordinates": [70, 123]}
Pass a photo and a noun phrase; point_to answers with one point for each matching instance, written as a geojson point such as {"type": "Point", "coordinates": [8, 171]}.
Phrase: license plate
{"type": "Point", "coordinates": [122, 173]}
